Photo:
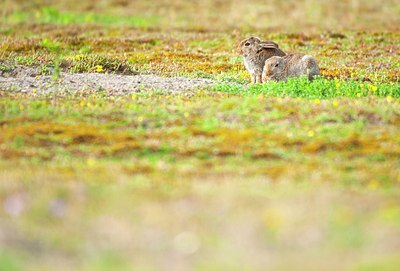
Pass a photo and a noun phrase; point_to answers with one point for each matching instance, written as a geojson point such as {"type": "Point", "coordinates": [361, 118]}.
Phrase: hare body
{"type": "Point", "coordinates": [281, 68]}
{"type": "Point", "coordinates": [255, 51]}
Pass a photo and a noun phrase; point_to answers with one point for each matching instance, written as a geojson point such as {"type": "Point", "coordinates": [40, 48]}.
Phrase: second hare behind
{"type": "Point", "coordinates": [295, 65]}
{"type": "Point", "coordinates": [255, 51]}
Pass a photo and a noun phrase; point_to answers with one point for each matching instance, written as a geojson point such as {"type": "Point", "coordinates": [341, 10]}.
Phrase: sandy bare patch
{"type": "Point", "coordinates": [24, 79]}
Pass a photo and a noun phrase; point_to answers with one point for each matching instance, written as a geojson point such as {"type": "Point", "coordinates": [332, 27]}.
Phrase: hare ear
{"type": "Point", "coordinates": [269, 45]}
{"type": "Point", "coordinates": [264, 45]}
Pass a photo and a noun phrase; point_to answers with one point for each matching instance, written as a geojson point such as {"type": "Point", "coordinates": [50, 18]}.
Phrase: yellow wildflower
{"type": "Point", "coordinates": [34, 90]}
{"type": "Point", "coordinates": [373, 184]}
{"type": "Point", "coordinates": [372, 87]}
{"type": "Point", "coordinates": [21, 107]}
{"type": "Point", "coordinates": [337, 85]}
{"type": "Point", "coordinates": [82, 103]}
{"type": "Point", "coordinates": [335, 103]}
{"type": "Point", "coordinates": [389, 99]}
{"type": "Point", "coordinates": [99, 68]}
{"type": "Point", "coordinates": [317, 101]}
{"type": "Point", "coordinates": [273, 218]}
{"type": "Point", "coordinates": [359, 95]}
{"type": "Point", "coordinates": [310, 133]}
{"type": "Point", "coordinates": [90, 162]}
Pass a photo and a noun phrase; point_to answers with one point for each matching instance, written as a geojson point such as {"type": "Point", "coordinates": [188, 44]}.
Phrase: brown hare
{"type": "Point", "coordinates": [280, 68]}
{"type": "Point", "coordinates": [255, 51]}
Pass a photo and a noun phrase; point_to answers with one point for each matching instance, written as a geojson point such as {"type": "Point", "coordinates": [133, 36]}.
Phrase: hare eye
{"type": "Point", "coordinates": [247, 44]}
{"type": "Point", "coordinates": [276, 65]}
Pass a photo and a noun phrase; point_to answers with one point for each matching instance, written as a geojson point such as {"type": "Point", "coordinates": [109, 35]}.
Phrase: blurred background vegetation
{"type": "Point", "coordinates": [216, 15]}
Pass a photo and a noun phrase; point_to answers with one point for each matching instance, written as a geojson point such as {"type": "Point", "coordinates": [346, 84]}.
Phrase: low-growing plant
{"type": "Point", "coordinates": [96, 63]}
{"type": "Point", "coordinates": [319, 88]}
{"type": "Point", "coordinates": [51, 45]}
{"type": "Point", "coordinates": [52, 15]}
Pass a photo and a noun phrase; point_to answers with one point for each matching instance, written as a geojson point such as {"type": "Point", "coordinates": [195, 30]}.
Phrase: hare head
{"type": "Point", "coordinates": [247, 46]}
{"type": "Point", "coordinates": [254, 45]}
{"type": "Point", "coordinates": [273, 67]}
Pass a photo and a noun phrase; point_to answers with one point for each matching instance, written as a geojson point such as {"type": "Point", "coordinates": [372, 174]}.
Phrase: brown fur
{"type": "Point", "coordinates": [280, 68]}
{"type": "Point", "coordinates": [255, 51]}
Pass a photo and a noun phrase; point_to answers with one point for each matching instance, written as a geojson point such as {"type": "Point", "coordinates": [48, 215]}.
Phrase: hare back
{"type": "Point", "coordinates": [311, 65]}
{"type": "Point", "coordinates": [300, 64]}
{"type": "Point", "coordinates": [267, 52]}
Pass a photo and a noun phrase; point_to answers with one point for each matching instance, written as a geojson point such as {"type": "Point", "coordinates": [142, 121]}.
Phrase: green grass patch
{"type": "Point", "coordinates": [318, 88]}
{"type": "Point", "coordinates": [241, 125]}
{"type": "Point", "coordinates": [51, 15]}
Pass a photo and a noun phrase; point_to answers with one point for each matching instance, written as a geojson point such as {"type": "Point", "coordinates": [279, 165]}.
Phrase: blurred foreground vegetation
{"type": "Point", "coordinates": [207, 181]}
